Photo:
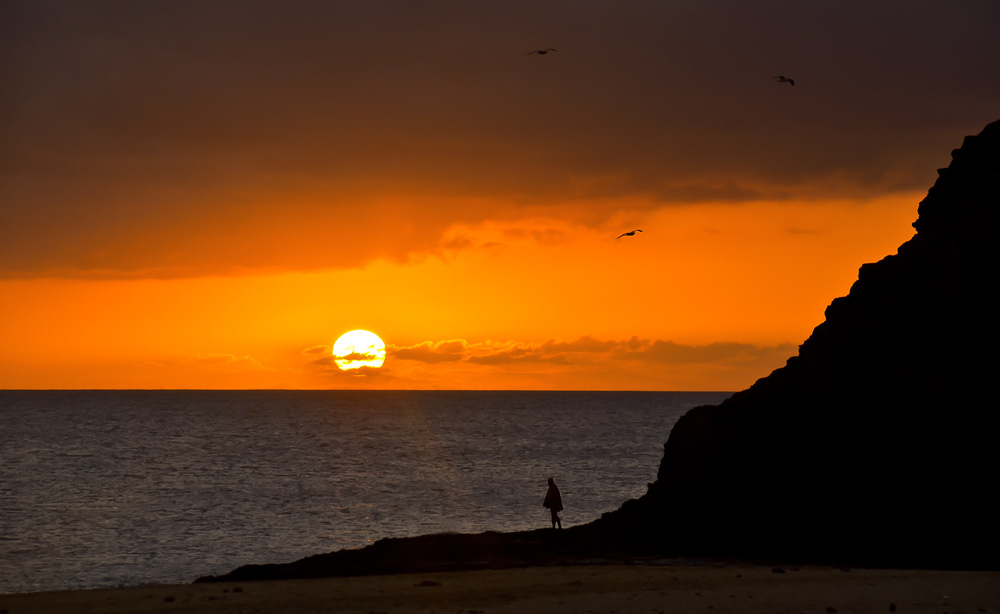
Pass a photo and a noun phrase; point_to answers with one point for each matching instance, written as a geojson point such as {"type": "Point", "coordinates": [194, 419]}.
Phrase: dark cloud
{"type": "Point", "coordinates": [589, 350]}
{"type": "Point", "coordinates": [166, 138]}
{"type": "Point", "coordinates": [318, 350]}
{"type": "Point", "coordinates": [668, 352]}
{"type": "Point", "coordinates": [353, 356]}
{"type": "Point", "coordinates": [583, 344]}
{"type": "Point", "coordinates": [327, 366]}
{"type": "Point", "coordinates": [520, 355]}
{"type": "Point", "coordinates": [325, 361]}
{"type": "Point", "coordinates": [705, 192]}
{"type": "Point", "coordinates": [442, 351]}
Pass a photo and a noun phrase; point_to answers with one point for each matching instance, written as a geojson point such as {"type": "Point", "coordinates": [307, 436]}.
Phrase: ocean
{"type": "Point", "coordinates": [124, 488]}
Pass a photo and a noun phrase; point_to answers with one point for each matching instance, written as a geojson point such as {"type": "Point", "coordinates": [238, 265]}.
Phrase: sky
{"type": "Point", "coordinates": [208, 194]}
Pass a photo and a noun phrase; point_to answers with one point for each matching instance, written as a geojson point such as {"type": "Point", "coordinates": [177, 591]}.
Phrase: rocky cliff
{"type": "Point", "coordinates": [876, 443]}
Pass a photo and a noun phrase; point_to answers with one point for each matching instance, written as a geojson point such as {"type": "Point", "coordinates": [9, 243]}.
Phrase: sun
{"type": "Point", "coordinates": [359, 348]}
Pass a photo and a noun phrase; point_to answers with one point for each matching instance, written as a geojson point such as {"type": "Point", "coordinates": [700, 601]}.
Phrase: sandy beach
{"type": "Point", "coordinates": [604, 589]}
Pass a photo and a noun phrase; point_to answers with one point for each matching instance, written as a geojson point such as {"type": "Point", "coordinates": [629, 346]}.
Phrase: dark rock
{"type": "Point", "coordinates": [873, 445]}
{"type": "Point", "coordinates": [451, 552]}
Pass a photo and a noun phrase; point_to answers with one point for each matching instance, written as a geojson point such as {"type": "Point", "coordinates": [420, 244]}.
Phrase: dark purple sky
{"type": "Point", "coordinates": [129, 127]}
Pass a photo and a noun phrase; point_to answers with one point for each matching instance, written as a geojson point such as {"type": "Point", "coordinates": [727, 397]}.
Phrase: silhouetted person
{"type": "Point", "coordinates": [553, 501]}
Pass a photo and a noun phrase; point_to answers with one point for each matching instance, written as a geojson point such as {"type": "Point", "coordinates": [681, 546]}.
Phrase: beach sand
{"type": "Point", "coordinates": [598, 589]}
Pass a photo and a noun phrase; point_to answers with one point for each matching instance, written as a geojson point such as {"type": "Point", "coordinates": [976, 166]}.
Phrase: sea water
{"type": "Point", "coordinates": [113, 488]}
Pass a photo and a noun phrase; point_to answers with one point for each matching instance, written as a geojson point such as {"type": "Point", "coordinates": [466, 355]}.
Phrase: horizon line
{"type": "Point", "coordinates": [334, 390]}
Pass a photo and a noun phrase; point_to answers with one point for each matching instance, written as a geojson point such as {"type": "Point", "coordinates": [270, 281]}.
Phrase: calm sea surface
{"type": "Point", "coordinates": [111, 488]}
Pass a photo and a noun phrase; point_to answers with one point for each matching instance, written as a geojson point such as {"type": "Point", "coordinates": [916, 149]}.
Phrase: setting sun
{"type": "Point", "coordinates": [359, 348]}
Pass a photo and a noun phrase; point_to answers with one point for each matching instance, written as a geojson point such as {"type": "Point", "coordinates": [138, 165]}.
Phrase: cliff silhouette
{"type": "Point", "coordinates": [875, 445]}
{"type": "Point", "coordinates": [878, 442]}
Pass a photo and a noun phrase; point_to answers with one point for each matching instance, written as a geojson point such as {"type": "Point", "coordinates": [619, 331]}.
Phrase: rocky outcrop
{"type": "Point", "coordinates": [878, 442]}
{"type": "Point", "coordinates": [454, 552]}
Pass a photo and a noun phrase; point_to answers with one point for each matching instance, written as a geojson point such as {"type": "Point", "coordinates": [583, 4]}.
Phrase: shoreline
{"type": "Point", "coordinates": [598, 589]}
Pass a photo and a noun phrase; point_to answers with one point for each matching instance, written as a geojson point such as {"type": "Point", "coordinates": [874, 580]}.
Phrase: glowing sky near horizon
{"type": "Point", "coordinates": [206, 195]}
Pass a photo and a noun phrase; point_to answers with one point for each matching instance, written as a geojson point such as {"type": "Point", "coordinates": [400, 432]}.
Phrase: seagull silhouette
{"type": "Point", "coordinates": [784, 79]}
{"type": "Point", "coordinates": [542, 51]}
{"type": "Point", "coordinates": [627, 234]}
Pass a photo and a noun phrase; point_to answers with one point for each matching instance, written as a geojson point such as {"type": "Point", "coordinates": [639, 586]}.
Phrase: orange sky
{"type": "Point", "coordinates": [207, 196]}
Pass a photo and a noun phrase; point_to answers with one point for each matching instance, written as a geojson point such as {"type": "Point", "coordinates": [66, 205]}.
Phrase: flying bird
{"type": "Point", "coordinates": [542, 51]}
{"type": "Point", "coordinates": [784, 79]}
{"type": "Point", "coordinates": [627, 234]}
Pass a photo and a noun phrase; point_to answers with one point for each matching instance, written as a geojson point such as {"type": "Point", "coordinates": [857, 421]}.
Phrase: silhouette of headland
{"type": "Point", "coordinates": [875, 446]}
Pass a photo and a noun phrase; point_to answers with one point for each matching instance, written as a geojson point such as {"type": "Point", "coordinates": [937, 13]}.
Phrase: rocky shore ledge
{"type": "Point", "coordinates": [457, 552]}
